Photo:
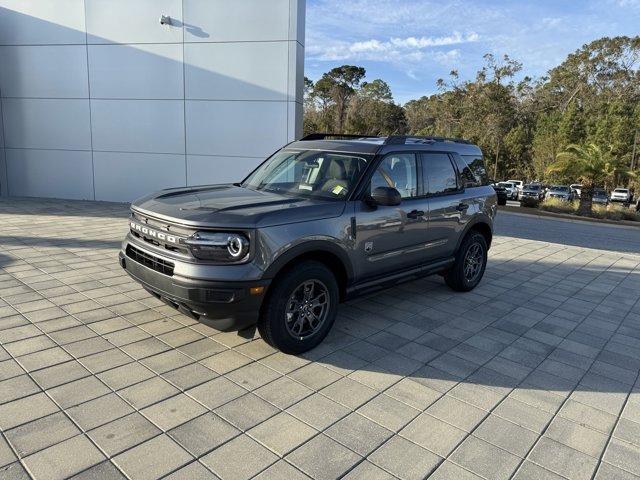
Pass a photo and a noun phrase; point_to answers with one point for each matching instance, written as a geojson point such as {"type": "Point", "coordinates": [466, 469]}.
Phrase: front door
{"type": "Point", "coordinates": [390, 238]}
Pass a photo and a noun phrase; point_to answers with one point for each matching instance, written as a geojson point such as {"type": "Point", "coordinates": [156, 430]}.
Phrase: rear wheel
{"type": "Point", "coordinates": [469, 265]}
{"type": "Point", "coordinates": [300, 309]}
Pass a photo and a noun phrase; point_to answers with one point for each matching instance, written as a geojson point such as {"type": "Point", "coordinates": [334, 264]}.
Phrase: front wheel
{"type": "Point", "coordinates": [301, 308]}
{"type": "Point", "coordinates": [469, 265]}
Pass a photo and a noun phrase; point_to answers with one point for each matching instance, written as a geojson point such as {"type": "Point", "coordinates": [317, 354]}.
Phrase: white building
{"type": "Point", "coordinates": [101, 101]}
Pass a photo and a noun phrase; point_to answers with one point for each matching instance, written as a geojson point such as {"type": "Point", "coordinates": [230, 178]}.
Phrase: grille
{"type": "Point", "coordinates": [150, 261]}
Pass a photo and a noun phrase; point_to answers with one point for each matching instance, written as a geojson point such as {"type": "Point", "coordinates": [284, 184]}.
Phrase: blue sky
{"type": "Point", "coordinates": [412, 43]}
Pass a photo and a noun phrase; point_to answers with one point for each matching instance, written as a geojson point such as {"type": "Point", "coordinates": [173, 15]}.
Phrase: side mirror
{"type": "Point", "coordinates": [385, 196]}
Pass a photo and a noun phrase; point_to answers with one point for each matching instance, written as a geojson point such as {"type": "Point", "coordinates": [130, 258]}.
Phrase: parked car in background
{"type": "Point", "coordinates": [519, 184]}
{"type": "Point", "coordinates": [510, 188]}
{"type": "Point", "coordinates": [576, 188]}
{"type": "Point", "coordinates": [561, 192]}
{"type": "Point", "coordinates": [531, 195]}
{"type": "Point", "coordinates": [600, 197]}
{"type": "Point", "coordinates": [501, 193]}
{"type": "Point", "coordinates": [621, 195]}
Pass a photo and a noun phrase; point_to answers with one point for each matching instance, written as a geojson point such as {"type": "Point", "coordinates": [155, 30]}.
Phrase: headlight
{"type": "Point", "coordinates": [218, 246]}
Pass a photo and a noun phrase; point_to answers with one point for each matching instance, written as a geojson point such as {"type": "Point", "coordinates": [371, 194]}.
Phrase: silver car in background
{"type": "Point", "coordinates": [600, 197]}
{"type": "Point", "coordinates": [560, 192]}
{"type": "Point", "coordinates": [621, 195]}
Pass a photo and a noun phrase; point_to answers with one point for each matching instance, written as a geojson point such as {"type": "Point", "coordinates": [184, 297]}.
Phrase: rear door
{"type": "Point", "coordinates": [447, 204]}
{"type": "Point", "coordinates": [391, 238]}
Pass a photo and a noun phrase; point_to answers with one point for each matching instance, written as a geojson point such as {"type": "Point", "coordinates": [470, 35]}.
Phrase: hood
{"type": "Point", "coordinates": [233, 206]}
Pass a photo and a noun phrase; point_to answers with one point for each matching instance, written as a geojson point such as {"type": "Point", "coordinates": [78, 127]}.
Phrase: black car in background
{"type": "Point", "coordinates": [501, 193]}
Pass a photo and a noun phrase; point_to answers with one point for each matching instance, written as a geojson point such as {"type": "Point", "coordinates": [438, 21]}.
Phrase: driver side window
{"type": "Point", "coordinates": [397, 170]}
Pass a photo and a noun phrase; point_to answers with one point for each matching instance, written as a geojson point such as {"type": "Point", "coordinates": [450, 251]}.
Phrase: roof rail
{"type": "Point", "coordinates": [403, 139]}
{"type": "Point", "coordinates": [336, 136]}
{"type": "Point", "coordinates": [389, 140]}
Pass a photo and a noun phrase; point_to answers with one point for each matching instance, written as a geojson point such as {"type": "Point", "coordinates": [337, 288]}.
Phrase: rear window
{"type": "Point", "coordinates": [472, 170]}
{"type": "Point", "coordinates": [621, 190]}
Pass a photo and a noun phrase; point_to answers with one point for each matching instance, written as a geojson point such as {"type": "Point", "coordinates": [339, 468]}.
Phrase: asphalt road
{"type": "Point", "coordinates": [569, 232]}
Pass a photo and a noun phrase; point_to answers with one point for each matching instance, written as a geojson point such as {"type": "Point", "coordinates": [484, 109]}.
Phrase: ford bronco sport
{"type": "Point", "coordinates": [322, 220]}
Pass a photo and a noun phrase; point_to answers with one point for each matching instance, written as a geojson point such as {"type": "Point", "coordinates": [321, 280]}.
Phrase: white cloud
{"type": "Point", "coordinates": [395, 49]}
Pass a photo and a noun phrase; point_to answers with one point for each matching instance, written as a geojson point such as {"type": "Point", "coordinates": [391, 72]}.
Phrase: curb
{"type": "Point", "coordinates": [565, 216]}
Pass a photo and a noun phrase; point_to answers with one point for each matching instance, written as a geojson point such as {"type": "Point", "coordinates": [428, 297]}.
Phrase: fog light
{"type": "Point", "coordinates": [256, 290]}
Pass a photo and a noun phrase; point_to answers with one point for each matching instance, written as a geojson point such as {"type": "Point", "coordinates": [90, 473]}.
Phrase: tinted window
{"type": "Point", "coordinates": [476, 164]}
{"type": "Point", "coordinates": [440, 174]}
{"type": "Point", "coordinates": [397, 170]}
{"type": "Point", "coordinates": [467, 178]}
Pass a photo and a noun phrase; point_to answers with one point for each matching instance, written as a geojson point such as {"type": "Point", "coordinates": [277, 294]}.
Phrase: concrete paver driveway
{"type": "Point", "coordinates": [532, 375]}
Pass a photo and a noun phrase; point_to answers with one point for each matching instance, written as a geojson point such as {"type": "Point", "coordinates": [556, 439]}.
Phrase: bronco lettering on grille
{"type": "Point", "coordinates": [151, 233]}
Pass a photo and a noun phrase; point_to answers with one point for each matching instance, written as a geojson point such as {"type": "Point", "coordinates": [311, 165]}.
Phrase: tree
{"type": "Point", "coordinates": [589, 165]}
{"type": "Point", "coordinates": [338, 85]}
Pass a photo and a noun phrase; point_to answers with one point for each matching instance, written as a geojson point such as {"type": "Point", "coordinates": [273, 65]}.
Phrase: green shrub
{"type": "Point", "coordinates": [556, 205]}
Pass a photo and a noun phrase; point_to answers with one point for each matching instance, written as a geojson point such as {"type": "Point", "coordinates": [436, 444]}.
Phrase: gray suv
{"type": "Point", "coordinates": [322, 220]}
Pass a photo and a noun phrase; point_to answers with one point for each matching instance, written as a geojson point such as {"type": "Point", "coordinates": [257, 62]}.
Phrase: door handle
{"type": "Point", "coordinates": [415, 214]}
{"type": "Point", "coordinates": [462, 207]}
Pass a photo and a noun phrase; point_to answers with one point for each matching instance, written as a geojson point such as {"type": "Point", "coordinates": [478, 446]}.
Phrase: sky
{"type": "Point", "coordinates": [412, 43]}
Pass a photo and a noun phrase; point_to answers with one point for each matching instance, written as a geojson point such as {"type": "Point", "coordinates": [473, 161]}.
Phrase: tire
{"type": "Point", "coordinates": [456, 278]}
{"type": "Point", "coordinates": [284, 314]}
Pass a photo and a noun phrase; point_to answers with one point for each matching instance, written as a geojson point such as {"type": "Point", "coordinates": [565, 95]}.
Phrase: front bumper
{"type": "Point", "coordinates": [221, 305]}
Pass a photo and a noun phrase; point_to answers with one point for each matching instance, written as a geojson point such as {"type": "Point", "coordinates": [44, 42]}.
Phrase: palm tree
{"type": "Point", "coordinates": [588, 165]}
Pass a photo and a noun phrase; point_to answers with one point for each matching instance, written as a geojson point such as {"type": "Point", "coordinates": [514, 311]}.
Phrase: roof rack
{"type": "Point", "coordinates": [336, 136]}
{"type": "Point", "coordinates": [403, 139]}
{"type": "Point", "coordinates": [389, 140]}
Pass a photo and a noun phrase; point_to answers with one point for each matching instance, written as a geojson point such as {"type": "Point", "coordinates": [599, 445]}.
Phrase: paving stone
{"type": "Point", "coordinates": [6, 455]}
{"type": "Point", "coordinates": [189, 376]}
{"type": "Point", "coordinates": [42, 433]}
{"type": "Point", "coordinates": [123, 433]}
{"type": "Point", "coordinates": [563, 460]}
{"type": "Point", "coordinates": [574, 435]}
{"type": "Point", "coordinates": [404, 459]}
{"type": "Point", "coordinates": [523, 415]}
{"type": "Point", "coordinates": [433, 434]}
{"type": "Point", "coordinates": [203, 434]}
{"type": "Point", "coordinates": [388, 412]}
{"type": "Point", "coordinates": [152, 459]}
{"type": "Point", "coordinates": [607, 471]}
{"type": "Point", "coordinates": [315, 376]}
{"type": "Point", "coordinates": [173, 411]}
{"type": "Point", "coordinates": [99, 411]}
{"type": "Point", "coordinates": [192, 471]}
{"type": "Point", "coordinates": [64, 459]}
{"type": "Point", "coordinates": [148, 392]}
{"type": "Point", "coordinates": [216, 392]}
{"type": "Point", "coordinates": [17, 387]}
{"type": "Point", "coordinates": [125, 375]}
{"type": "Point", "coordinates": [506, 435]}
{"type": "Point", "coordinates": [282, 433]}
{"type": "Point", "coordinates": [530, 471]}
{"type": "Point", "coordinates": [25, 410]}
{"type": "Point", "coordinates": [413, 394]}
{"type": "Point", "coordinates": [485, 459]}
{"type": "Point", "coordinates": [241, 458]}
{"type": "Point", "coordinates": [246, 411]}
{"type": "Point", "coordinates": [323, 458]}
{"type": "Point", "coordinates": [457, 413]}
{"type": "Point", "coordinates": [318, 411]}
{"type": "Point", "coordinates": [349, 393]}
{"type": "Point", "coordinates": [281, 469]}
{"type": "Point", "coordinates": [102, 471]}
{"type": "Point", "coordinates": [448, 470]}
{"type": "Point", "coordinates": [283, 392]}
{"type": "Point", "coordinates": [623, 455]}
{"type": "Point", "coordinates": [587, 416]}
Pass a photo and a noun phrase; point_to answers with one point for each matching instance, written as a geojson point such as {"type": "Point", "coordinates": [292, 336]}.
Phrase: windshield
{"type": "Point", "coordinates": [309, 173]}
{"type": "Point", "coordinates": [599, 193]}
{"type": "Point", "coordinates": [621, 190]}
{"type": "Point", "coordinates": [506, 185]}
{"type": "Point", "coordinates": [557, 188]}
{"type": "Point", "coordinates": [532, 187]}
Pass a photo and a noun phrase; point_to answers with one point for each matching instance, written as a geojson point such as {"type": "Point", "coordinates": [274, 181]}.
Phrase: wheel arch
{"type": "Point", "coordinates": [480, 225]}
{"type": "Point", "coordinates": [325, 252]}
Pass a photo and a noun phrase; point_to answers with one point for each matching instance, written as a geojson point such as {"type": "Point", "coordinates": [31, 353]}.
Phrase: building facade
{"type": "Point", "coordinates": [113, 99]}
